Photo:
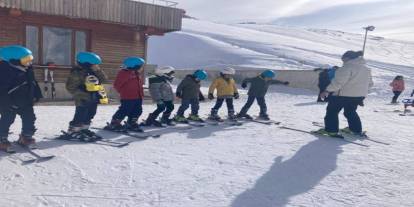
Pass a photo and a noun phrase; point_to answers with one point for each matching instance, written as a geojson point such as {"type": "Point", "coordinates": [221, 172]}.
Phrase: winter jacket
{"type": "Point", "coordinates": [189, 88]}
{"type": "Point", "coordinates": [259, 86]}
{"type": "Point", "coordinates": [75, 84]}
{"type": "Point", "coordinates": [225, 88]}
{"type": "Point", "coordinates": [128, 83]}
{"type": "Point", "coordinates": [160, 89]}
{"type": "Point", "coordinates": [353, 79]}
{"type": "Point", "coordinates": [18, 87]}
{"type": "Point", "coordinates": [398, 85]}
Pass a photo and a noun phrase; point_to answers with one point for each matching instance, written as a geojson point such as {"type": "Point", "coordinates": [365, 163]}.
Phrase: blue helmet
{"type": "Point", "coordinates": [88, 57]}
{"type": "Point", "coordinates": [134, 62]}
{"type": "Point", "coordinates": [268, 74]}
{"type": "Point", "coordinates": [16, 52]}
{"type": "Point", "coordinates": [200, 74]}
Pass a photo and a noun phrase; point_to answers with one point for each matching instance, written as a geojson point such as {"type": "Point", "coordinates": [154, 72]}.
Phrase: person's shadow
{"type": "Point", "coordinates": [297, 175]}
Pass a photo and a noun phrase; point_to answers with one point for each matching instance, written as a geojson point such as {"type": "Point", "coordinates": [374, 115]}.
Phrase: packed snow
{"type": "Point", "coordinates": [248, 165]}
{"type": "Point", "coordinates": [252, 165]}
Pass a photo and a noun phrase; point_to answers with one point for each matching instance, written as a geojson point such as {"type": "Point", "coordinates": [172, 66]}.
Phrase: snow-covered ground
{"type": "Point", "coordinates": [248, 165]}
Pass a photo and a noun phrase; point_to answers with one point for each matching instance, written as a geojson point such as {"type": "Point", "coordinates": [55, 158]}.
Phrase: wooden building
{"type": "Point", "coordinates": [55, 30]}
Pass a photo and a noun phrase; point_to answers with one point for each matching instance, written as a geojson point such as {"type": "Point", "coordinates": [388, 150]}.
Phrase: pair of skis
{"type": "Point", "coordinates": [32, 150]}
{"type": "Point", "coordinates": [101, 141]}
{"type": "Point", "coordinates": [366, 137]}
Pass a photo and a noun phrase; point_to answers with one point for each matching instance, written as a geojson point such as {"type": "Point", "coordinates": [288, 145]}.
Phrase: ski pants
{"type": "Point", "coordinates": [27, 115]}
{"type": "Point", "coordinates": [167, 107]}
{"type": "Point", "coordinates": [260, 100]}
{"type": "Point", "coordinates": [185, 104]}
{"type": "Point", "coordinates": [396, 95]}
{"type": "Point", "coordinates": [350, 105]}
{"type": "Point", "coordinates": [219, 103]}
{"type": "Point", "coordinates": [129, 108]}
{"type": "Point", "coordinates": [84, 114]}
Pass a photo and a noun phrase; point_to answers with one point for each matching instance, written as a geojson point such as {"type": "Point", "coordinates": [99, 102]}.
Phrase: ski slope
{"type": "Point", "coordinates": [248, 165]}
{"type": "Point", "coordinates": [211, 45]}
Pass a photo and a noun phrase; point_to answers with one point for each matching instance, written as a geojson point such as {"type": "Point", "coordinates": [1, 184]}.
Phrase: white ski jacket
{"type": "Point", "coordinates": [353, 79]}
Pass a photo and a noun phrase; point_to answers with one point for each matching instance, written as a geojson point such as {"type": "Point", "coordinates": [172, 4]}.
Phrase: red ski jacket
{"type": "Point", "coordinates": [129, 85]}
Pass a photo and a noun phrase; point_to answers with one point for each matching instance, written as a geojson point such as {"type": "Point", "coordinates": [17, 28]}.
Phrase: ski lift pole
{"type": "Point", "coordinates": [369, 28]}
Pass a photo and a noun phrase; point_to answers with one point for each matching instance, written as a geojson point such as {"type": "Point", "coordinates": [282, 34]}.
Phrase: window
{"type": "Point", "coordinates": [55, 44]}
{"type": "Point", "coordinates": [80, 42]}
{"type": "Point", "coordinates": [32, 41]}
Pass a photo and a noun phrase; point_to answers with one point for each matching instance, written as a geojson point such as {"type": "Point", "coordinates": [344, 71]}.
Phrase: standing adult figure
{"type": "Point", "coordinates": [348, 90]}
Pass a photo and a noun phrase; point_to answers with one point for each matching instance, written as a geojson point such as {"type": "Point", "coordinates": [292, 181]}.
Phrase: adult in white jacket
{"type": "Point", "coordinates": [348, 90]}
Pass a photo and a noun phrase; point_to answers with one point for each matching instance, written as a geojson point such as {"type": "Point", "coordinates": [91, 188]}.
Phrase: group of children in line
{"type": "Point", "coordinates": [19, 91]}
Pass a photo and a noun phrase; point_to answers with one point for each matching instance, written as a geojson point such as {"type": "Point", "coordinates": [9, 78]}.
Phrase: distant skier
{"type": "Point", "coordinates": [349, 87]}
{"type": "Point", "coordinates": [189, 92]}
{"type": "Point", "coordinates": [162, 94]}
{"type": "Point", "coordinates": [129, 85]}
{"type": "Point", "coordinates": [85, 84]}
{"type": "Point", "coordinates": [18, 93]}
{"type": "Point", "coordinates": [226, 91]}
{"type": "Point", "coordinates": [257, 91]}
{"type": "Point", "coordinates": [325, 78]}
{"type": "Point", "coordinates": [398, 86]}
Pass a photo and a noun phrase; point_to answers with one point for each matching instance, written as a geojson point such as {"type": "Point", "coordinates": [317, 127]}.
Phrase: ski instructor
{"type": "Point", "coordinates": [349, 89]}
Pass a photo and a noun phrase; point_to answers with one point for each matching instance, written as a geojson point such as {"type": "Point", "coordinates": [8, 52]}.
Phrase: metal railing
{"type": "Point", "coordinates": [166, 3]}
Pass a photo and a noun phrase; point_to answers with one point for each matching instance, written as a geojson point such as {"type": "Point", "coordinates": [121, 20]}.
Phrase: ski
{"type": "Point", "coordinates": [322, 135]}
{"type": "Point", "coordinates": [106, 142]}
{"type": "Point", "coordinates": [137, 135]}
{"type": "Point", "coordinates": [366, 137]}
{"type": "Point", "coordinates": [36, 156]}
{"type": "Point", "coordinates": [270, 122]}
{"type": "Point", "coordinates": [233, 122]}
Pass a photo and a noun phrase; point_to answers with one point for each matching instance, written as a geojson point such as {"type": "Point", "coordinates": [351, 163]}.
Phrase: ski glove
{"type": "Point", "coordinates": [324, 95]}
{"type": "Point", "coordinates": [160, 102]}
{"type": "Point", "coordinates": [201, 97]}
{"type": "Point", "coordinates": [178, 94]}
{"type": "Point", "coordinates": [210, 96]}
{"type": "Point", "coordinates": [244, 85]}
{"type": "Point", "coordinates": [236, 96]}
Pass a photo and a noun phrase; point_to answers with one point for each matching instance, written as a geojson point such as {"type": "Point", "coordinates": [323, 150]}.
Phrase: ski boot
{"type": "Point", "coordinates": [166, 120]}
{"type": "Point", "coordinates": [74, 132]}
{"type": "Point", "coordinates": [347, 130]}
{"type": "Point", "coordinates": [180, 119]}
{"type": "Point", "coordinates": [150, 121]}
{"type": "Point", "coordinates": [244, 116]}
{"type": "Point", "coordinates": [326, 133]}
{"type": "Point", "coordinates": [195, 118]}
{"type": "Point", "coordinates": [231, 117]}
{"type": "Point", "coordinates": [92, 135]}
{"type": "Point", "coordinates": [264, 117]}
{"type": "Point", "coordinates": [4, 144]}
{"type": "Point", "coordinates": [134, 127]}
{"type": "Point", "coordinates": [26, 140]}
{"type": "Point", "coordinates": [214, 116]}
{"type": "Point", "coordinates": [115, 126]}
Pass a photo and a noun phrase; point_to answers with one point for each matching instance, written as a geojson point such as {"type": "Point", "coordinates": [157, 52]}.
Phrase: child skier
{"type": "Point", "coordinates": [226, 90]}
{"type": "Point", "coordinates": [257, 91]}
{"type": "Point", "coordinates": [162, 94]}
{"type": "Point", "coordinates": [85, 84]}
{"type": "Point", "coordinates": [398, 87]}
{"type": "Point", "coordinates": [129, 85]}
{"type": "Point", "coordinates": [189, 92]}
{"type": "Point", "coordinates": [18, 93]}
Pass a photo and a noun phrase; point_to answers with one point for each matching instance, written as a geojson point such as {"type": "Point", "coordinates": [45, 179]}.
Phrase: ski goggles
{"type": "Point", "coordinates": [26, 61]}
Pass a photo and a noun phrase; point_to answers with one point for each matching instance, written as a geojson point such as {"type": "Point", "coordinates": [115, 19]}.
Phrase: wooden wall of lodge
{"type": "Point", "coordinates": [116, 11]}
{"type": "Point", "coordinates": [112, 42]}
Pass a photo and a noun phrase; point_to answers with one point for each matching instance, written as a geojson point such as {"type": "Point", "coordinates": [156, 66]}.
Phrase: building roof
{"type": "Point", "coordinates": [114, 11]}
